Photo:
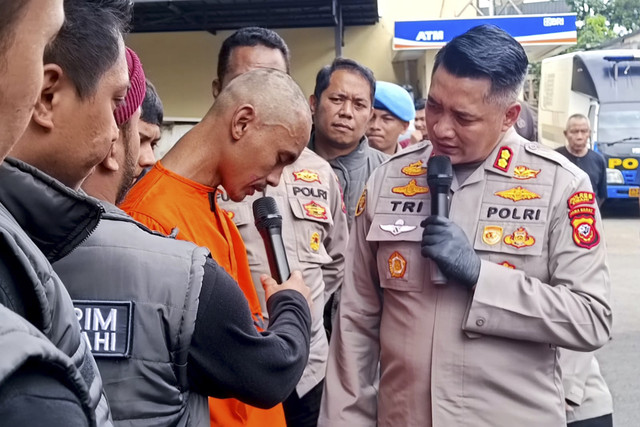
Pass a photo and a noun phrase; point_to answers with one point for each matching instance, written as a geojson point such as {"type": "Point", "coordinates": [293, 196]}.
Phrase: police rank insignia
{"type": "Point", "coordinates": [517, 193]}
{"type": "Point", "coordinates": [520, 239]}
{"type": "Point", "coordinates": [398, 227]}
{"type": "Point", "coordinates": [415, 169]}
{"type": "Point", "coordinates": [315, 210]}
{"type": "Point", "coordinates": [315, 242]}
{"type": "Point", "coordinates": [492, 234]}
{"type": "Point", "coordinates": [362, 202]}
{"type": "Point", "coordinates": [411, 189]}
{"type": "Point", "coordinates": [503, 159]}
{"type": "Point", "coordinates": [583, 219]}
{"type": "Point", "coordinates": [523, 172]}
{"type": "Point", "coordinates": [397, 265]}
{"type": "Point", "coordinates": [306, 175]}
{"type": "Point", "coordinates": [506, 264]}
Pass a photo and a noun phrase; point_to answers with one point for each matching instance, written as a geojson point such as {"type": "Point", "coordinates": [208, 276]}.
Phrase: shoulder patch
{"type": "Point", "coordinates": [362, 202]}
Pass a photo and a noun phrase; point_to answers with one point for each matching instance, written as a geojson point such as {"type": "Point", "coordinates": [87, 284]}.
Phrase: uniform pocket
{"type": "Point", "coordinates": [310, 228]}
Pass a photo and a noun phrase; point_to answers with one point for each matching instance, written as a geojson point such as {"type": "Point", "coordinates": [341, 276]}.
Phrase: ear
{"type": "Point", "coordinates": [50, 93]}
{"type": "Point", "coordinates": [216, 87]}
{"type": "Point", "coordinates": [241, 121]}
{"type": "Point", "coordinates": [110, 162]}
{"type": "Point", "coordinates": [405, 127]}
{"type": "Point", "coordinates": [511, 115]}
{"type": "Point", "coordinates": [312, 103]}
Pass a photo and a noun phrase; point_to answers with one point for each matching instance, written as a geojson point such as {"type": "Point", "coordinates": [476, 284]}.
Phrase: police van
{"type": "Point", "coordinates": [604, 85]}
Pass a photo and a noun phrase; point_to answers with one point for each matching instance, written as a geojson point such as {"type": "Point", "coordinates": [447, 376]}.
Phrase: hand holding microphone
{"type": "Point", "coordinates": [444, 242]}
{"type": "Point", "coordinates": [269, 223]}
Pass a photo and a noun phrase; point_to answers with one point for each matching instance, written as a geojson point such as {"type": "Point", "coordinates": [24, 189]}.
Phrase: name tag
{"type": "Point", "coordinates": [106, 326]}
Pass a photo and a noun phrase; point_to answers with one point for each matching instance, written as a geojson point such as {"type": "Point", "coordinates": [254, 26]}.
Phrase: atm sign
{"type": "Point", "coordinates": [629, 163]}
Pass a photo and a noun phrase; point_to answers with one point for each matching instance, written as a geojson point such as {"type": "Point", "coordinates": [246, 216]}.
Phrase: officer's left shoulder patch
{"type": "Point", "coordinates": [106, 326]}
{"type": "Point", "coordinates": [362, 202]}
{"type": "Point", "coordinates": [582, 217]}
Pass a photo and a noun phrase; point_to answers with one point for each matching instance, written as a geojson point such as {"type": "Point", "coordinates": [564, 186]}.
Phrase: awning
{"type": "Point", "coordinates": [540, 35]}
{"type": "Point", "coordinates": [215, 15]}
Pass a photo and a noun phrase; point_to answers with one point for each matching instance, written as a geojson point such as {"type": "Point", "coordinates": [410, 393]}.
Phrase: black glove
{"type": "Point", "coordinates": [446, 244]}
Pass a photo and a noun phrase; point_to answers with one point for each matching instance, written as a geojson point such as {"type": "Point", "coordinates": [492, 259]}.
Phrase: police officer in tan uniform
{"type": "Point", "coordinates": [522, 252]}
{"type": "Point", "coordinates": [314, 221]}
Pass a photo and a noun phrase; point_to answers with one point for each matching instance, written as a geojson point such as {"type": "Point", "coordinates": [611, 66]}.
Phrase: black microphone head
{"type": "Point", "coordinates": [439, 172]}
{"type": "Point", "coordinates": [266, 214]}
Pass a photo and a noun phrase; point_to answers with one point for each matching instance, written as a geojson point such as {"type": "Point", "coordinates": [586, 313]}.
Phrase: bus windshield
{"type": "Point", "coordinates": [619, 121]}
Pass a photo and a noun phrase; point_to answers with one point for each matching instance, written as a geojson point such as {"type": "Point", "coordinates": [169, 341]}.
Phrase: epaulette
{"type": "Point", "coordinates": [408, 150]}
{"type": "Point", "coordinates": [547, 153]}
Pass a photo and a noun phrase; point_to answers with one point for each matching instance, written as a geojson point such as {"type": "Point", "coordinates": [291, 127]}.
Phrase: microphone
{"type": "Point", "coordinates": [269, 224]}
{"type": "Point", "coordinates": [439, 178]}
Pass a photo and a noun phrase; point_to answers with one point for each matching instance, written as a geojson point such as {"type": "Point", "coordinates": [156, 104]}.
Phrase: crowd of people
{"type": "Point", "coordinates": [137, 291]}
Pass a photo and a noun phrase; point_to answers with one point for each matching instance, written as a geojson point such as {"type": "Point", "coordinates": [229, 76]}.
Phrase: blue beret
{"type": "Point", "coordinates": [394, 99]}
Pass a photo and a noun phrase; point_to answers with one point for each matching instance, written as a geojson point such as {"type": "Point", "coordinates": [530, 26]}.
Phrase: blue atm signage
{"type": "Point", "coordinates": [527, 29]}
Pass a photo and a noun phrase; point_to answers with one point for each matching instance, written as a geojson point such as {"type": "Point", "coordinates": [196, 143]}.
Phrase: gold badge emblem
{"type": "Point", "coordinates": [523, 172]}
{"type": "Point", "coordinates": [362, 202]}
{"type": "Point", "coordinates": [581, 198]}
{"type": "Point", "coordinates": [306, 175]}
{"type": "Point", "coordinates": [397, 265]}
{"type": "Point", "coordinates": [520, 239]}
{"type": "Point", "coordinates": [517, 193]}
{"type": "Point", "coordinates": [315, 210]}
{"type": "Point", "coordinates": [315, 242]}
{"type": "Point", "coordinates": [492, 234]}
{"type": "Point", "coordinates": [506, 264]}
{"type": "Point", "coordinates": [503, 159]}
{"type": "Point", "coordinates": [411, 189]}
{"type": "Point", "coordinates": [415, 169]}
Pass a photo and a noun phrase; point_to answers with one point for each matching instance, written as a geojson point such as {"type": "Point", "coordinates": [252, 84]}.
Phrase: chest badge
{"type": "Point", "coordinates": [397, 265]}
{"type": "Point", "coordinates": [315, 242]}
{"type": "Point", "coordinates": [517, 193]}
{"type": "Point", "coordinates": [506, 264]}
{"type": "Point", "coordinates": [398, 227]}
{"type": "Point", "coordinates": [492, 234]}
{"type": "Point", "coordinates": [411, 189]}
{"type": "Point", "coordinates": [523, 172]}
{"type": "Point", "coordinates": [503, 159]}
{"type": "Point", "coordinates": [520, 239]}
{"type": "Point", "coordinates": [306, 175]}
{"type": "Point", "coordinates": [362, 203]}
{"type": "Point", "coordinates": [315, 210]}
{"type": "Point", "coordinates": [415, 169]}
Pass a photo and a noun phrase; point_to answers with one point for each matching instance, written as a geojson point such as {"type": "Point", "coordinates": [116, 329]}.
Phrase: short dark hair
{"type": "Point", "coordinates": [486, 51]}
{"type": "Point", "coordinates": [152, 109]}
{"type": "Point", "coordinates": [88, 43]}
{"type": "Point", "coordinates": [247, 37]}
{"type": "Point", "coordinates": [420, 104]}
{"type": "Point", "coordinates": [12, 12]}
{"type": "Point", "coordinates": [324, 75]}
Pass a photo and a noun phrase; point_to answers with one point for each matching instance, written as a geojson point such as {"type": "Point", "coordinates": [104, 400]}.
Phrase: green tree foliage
{"type": "Point", "coordinates": [594, 32]}
{"type": "Point", "coordinates": [621, 13]}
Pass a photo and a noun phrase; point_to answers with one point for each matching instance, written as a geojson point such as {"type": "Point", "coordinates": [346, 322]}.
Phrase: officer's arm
{"type": "Point", "coordinates": [570, 311]}
{"type": "Point", "coordinates": [576, 367]}
{"type": "Point", "coordinates": [335, 241]}
{"type": "Point", "coordinates": [230, 358]}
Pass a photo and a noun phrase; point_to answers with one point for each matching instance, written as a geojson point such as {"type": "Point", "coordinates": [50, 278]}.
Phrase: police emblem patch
{"type": "Point", "coordinates": [492, 234]}
{"type": "Point", "coordinates": [106, 326]}
{"type": "Point", "coordinates": [315, 242]}
{"type": "Point", "coordinates": [315, 210]}
{"type": "Point", "coordinates": [415, 169]}
{"type": "Point", "coordinates": [397, 265]}
{"type": "Point", "coordinates": [306, 175]}
{"type": "Point", "coordinates": [520, 239]}
{"type": "Point", "coordinates": [411, 189]}
{"type": "Point", "coordinates": [506, 264]}
{"type": "Point", "coordinates": [583, 222]}
{"type": "Point", "coordinates": [522, 172]}
{"type": "Point", "coordinates": [517, 193]}
{"type": "Point", "coordinates": [503, 159]}
{"type": "Point", "coordinates": [362, 202]}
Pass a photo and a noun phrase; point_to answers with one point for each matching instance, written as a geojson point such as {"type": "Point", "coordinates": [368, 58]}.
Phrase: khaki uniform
{"type": "Point", "coordinates": [453, 357]}
{"type": "Point", "coordinates": [584, 387]}
{"type": "Point", "coordinates": [315, 236]}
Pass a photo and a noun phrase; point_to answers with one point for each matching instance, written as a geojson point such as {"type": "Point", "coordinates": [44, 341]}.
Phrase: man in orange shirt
{"type": "Point", "coordinates": [258, 125]}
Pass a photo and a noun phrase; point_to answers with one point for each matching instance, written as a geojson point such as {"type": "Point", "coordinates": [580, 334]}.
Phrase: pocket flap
{"type": "Point", "coordinates": [311, 210]}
